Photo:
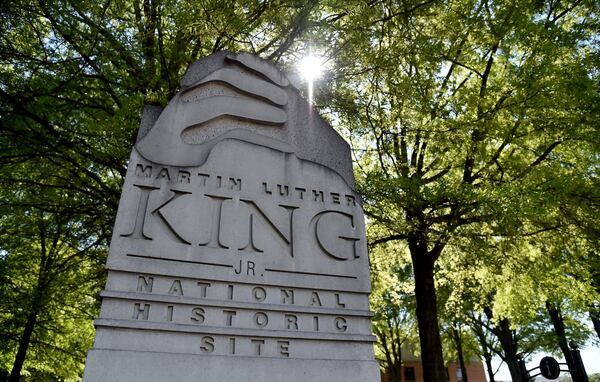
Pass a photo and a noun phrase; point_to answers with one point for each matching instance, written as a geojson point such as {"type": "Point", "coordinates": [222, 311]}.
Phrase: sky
{"type": "Point", "coordinates": [590, 356]}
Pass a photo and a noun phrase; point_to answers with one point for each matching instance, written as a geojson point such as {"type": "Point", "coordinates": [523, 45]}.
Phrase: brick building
{"type": "Point", "coordinates": [412, 371]}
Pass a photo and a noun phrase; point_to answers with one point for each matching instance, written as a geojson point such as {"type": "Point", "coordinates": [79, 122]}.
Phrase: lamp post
{"type": "Point", "coordinates": [579, 374]}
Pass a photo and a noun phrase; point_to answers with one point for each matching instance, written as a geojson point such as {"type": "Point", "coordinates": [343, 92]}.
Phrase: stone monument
{"type": "Point", "coordinates": [239, 251]}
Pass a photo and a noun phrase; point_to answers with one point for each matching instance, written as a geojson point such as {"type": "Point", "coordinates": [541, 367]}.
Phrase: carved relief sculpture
{"type": "Point", "coordinates": [239, 250]}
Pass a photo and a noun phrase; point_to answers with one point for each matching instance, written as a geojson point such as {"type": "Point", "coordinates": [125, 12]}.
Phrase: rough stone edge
{"type": "Point", "coordinates": [149, 116]}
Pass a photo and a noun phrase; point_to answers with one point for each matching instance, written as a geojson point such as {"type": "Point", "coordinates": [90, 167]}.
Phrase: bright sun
{"type": "Point", "coordinates": [311, 67]}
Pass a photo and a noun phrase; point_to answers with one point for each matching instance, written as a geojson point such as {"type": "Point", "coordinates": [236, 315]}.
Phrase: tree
{"type": "Point", "coordinates": [594, 309]}
{"type": "Point", "coordinates": [392, 302]}
{"type": "Point", "coordinates": [594, 377]}
{"type": "Point", "coordinates": [467, 119]}
{"type": "Point", "coordinates": [487, 342]}
{"type": "Point", "coordinates": [513, 285]}
{"type": "Point", "coordinates": [50, 278]}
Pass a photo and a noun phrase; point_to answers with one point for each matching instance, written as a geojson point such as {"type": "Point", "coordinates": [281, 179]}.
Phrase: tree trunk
{"type": "Point", "coordinates": [559, 329]}
{"type": "Point", "coordinates": [391, 361]}
{"type": "Point", "coordinates": [393, 356]}
{"type": "Point", "coordinates": [461, 359]}
{"type": "Point", "coordinates": [396, 350]}
{"type": "Point", "coordinates": [488, 366]}
{"type": "Point", "coordinates": [595, 316]}
{"type": "Point", "coordinates": [429, 335]}
{"type": "Point", "coordinates": [15, 374]}
{"type": "Point", "coordinates": [32, 317]}
{"type": "Point", "coordinates": [509, 345]}
{"type": "Point", "coordinates": [487, 356]}
{"type": "Point", "coordinates": [479, 331]}
{"type": "Point", "coordinates": [395, 372]}
{"type": "Point", "coordinates": [505, 336]}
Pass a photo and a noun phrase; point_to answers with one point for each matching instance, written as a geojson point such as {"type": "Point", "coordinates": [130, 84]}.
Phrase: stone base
{"type": "Point", "coordinates": [131, 366]}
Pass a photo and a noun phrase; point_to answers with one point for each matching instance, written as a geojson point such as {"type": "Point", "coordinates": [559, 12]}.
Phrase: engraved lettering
{"type": "Point", "coordinates": [321, 234]}
{"type": "Point", "coordinates": [183, 176]}
{"type": "Point", "coordinates": [259, 294]}
{"type": "Point", "coordinates": [143, 171]}
{"type": "Point", "coordinates": [286, 238]}
{"type": "Point", "coordinates": [215, 231]}
{"type": "Point", "coordinates": [351, 200]}
{"type": "Point", "coordinates": [235, 184]}
{"type": "Point", "coordinates": [266, 189]}
{"type": "Point", "coordinates": [249, 268]}
{"type": "Point", "coordinates": [287, 296]}
{"type": "Point", "coordinates": [315, 299]}
{"type": "Point", "coordinates": [258, 344]}
{"type": "Point", "coordinates": [157, 211]}
{"type": "Point", "coordinates": [283, 190]}
{"type": "Point", "coordinates": [207, 344]}
{"type": "Point", "coordinates": [337, 301]}
{"type": "Point", "coordinates": [250, 246]}
{"type": "Point", "coordinates": [170, 313]}
{"type": "Point", "coordinates": [291, 322]}
{"type": "Point", "coordinates": [198, 315]}
{"type": "Point", "coordinates": [316, 323]}
{"type": "Point", "coordinates": [335, 198]}
{"type": "Point", "coordinates": [203, 178]}
{"type": "Point", "coordinates": [176, 288]}
{"type": "Point", "coordinates": [219, 181]}
{"type": "Point", "coordinates": [164, 174]}
{"type": "Point", "coordinates": [301, 192]}
{"type": "Point", "coordinates": [284, 348]}
{"type": "Point", "coordinates": [145, 284]}
{"type": "Point", "coordinates": [232, 345]}
{"type": "Point", "coordinates": [229, 316]}
{"type": "Point", "coordinates": [340, 324]}
{"type": "Point", "coordinates": [318, 196]}
{"type": "Point", "coordinates": [138, 227]}
{"type": "Point", "coordinates": [230, 292]}
{"type": "Point", "coordinates": [261, 319]}
{"type": "Point", "coordinates": [141, 310]}
{"type": "Point", "coordinates": [203, 287]}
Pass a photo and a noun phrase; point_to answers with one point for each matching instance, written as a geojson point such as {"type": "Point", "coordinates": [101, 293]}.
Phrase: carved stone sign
{"type": "Point", "coordinates": [239, 248]}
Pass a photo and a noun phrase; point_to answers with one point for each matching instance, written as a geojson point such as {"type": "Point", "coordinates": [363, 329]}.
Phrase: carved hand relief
{"type": "Point", "coordinates": [235, 101]}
